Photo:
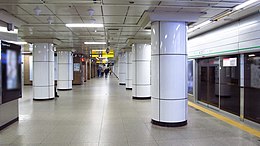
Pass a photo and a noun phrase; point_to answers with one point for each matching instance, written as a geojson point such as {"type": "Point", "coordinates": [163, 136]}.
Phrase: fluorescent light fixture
{"type": "Point", "coordinates": [99, 50]}
{"type": "Point", "coordinates": [199, 25]}
{"type": "Point", "coordinates": [246, 3]}
{"type": "Point", "coordinates": [17, 43]}
{"type": "Point", "coordinates": [84, 25]}
{"type": "Point", "coordinates": [251, 55]}
{"type": "Point", "coordinates": [4, 29]}
{"type": "Point", "coordinates": [94, 43]}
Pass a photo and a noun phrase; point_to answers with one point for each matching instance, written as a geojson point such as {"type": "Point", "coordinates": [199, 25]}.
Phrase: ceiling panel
{"type": "Point", "coordinates": [204, 3]}
{"type": "Point", "coordinates": [132, 20]}
{"type": "Point", "coordinates": [13, 9]}
{"type": "Point", "coordinates": [83, 10]}
{"type": "Point", "coordinates": [60, 28]}
{"type": "Point", "coordinates": [114, 10]}
{"type": "Point", "coordinates": [128, 33]}
{"type": "Point", "coordinates": [191, 10]}
{"type": "Point", "coordinates": [169, 9]}
{"type": "Point", "coordinates": [63, 9]}
{"type": "Point", "coordinates": [137, 10]}
{"type": "Point", "coordinates": [29, 19]}
{"type": "Point", "coordinates": [70, 19]}
{"type": "Point", "coordinates": [114, 19]}
{"type": "Point", "coordinates": [44, 19]}
{"type": "Point", "coordinates": [30, 9]}
{"type": "Point", "coordinates": [131, 28]}
{"type": "Point", "coordinates": [148, 2]}
{"type": "Point", "coordinates": [78, 29]}
{"type": "Point", "coordinates": [98, 19]}
{"type": "Point", "coordinates": [213, 12]}
{"type": "Point", "coordinates": [42, 28]}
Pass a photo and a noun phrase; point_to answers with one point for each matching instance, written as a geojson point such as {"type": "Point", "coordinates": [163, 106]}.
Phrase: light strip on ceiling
{"type": "Point", "coordinates": [4, 29]}
{"type": "Point", "coordinates": [84, 25]}
{"type": "Point", "coordinates": [199, 25]}
{"type": "Point", "coordinates": [94, 43]}
{"type": "Point", "coordinates": [17, 43]}
{"type": "Point", "coordinates": [246, 3]}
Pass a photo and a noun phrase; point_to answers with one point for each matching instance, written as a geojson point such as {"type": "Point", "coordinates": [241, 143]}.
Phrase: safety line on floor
{"type": "Point", "coordinates": [227, 120]}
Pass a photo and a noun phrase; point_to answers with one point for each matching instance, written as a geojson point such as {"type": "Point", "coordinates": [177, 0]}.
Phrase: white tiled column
{"type": "Point", "coordinates": [141, 71]}
{"type": "Point", "coordinates": [169, 73]}
{"type": "Point", "coordinates": [122, 69]}
{"type": "Point", "coordinates": [129, 70]}
{"type": "Point", "coordinates": [43, 71]}
{"type": "Point", "coordinates": [65, 71]}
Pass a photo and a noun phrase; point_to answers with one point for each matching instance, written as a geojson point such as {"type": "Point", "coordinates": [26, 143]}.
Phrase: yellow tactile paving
{"type": "Point", "coordinates": [227, 120]}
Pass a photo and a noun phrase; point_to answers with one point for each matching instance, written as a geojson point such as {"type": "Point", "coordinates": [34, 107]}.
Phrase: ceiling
{"type": "Point", "coordinates": [121, 18]}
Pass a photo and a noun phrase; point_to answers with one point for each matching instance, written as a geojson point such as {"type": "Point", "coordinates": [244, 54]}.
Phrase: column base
{"type": "Point", "coordinates": [9, 123]}
{"type": "Point", "coordinates": [64, 89]}
{"type": "Point", "coordinates": [122, 84]}
{"type": "Point", "coordinates": [166, 124]}
{"type": "Point", "coordinates": [43, 99]}
{"type": "Point", "coordinates": [128, 88]}
{"type": "Point", "coordinates": [141, 98]}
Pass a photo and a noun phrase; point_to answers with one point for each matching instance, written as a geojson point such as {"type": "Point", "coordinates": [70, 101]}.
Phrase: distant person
{"type": "Point", "coordinates": [106, 71]}
{"type": "Point", "coordinates": [110, 71]}
{"type": "Point", "coordinates": [99, 70]}
{"type": "Point", "coordinates": [102, 70]}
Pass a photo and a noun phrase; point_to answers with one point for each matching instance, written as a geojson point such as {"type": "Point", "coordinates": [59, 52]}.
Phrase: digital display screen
{"type": "Point", "coordinates": [190, 76]}
{"type": "Point", "coordinates": [11, 70]}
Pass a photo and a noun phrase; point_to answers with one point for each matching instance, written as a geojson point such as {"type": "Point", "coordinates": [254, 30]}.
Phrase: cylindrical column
{"type": "Point", "coordinates": [129, 72]}
{"type": "Point", "coordinates": [169, 73]}
{"type": "Point", "coordinates": [65, 70]}
{"type": "Point", "coordinates": [141, 71]}
{"type": "Point", "coordinates": [122, 69]}
{"type": "Point", "coordinates": [43, 71]}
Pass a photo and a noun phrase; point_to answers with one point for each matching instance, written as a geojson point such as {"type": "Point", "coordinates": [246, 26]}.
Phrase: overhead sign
{"type": "Point", "coordinates": [227, 62]}
{"type": "Point", "coordinates": [102, 53]}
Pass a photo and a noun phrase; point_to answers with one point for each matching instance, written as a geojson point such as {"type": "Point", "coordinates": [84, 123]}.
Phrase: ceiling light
{"type": "Point", "coordinates": [251, 55]}
{"type": "Point", "coordinates": [246, 3]}
{"type": "Point", "coordinates": [91, 12]}
{"type": "Point", "coordinates": [17, 43]}
{"type": "Point", "coordinates": [50, 20]}
{"type": "Point", "coordinates": [4, 29]}
{"type": "Point", "coordinates": [94, 43]}
{"type": "Point", "coordinates": [84, 25]}
{"type": "Point", "coordinates": [92, 20]}
{"type": "Point", "coordinates": [199, 25]}
{"type": "Point", "coordinates": [37, 11]}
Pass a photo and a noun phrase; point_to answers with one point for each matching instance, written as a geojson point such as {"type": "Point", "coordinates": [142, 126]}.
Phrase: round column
{"type": "Point", "coordinates": [43, 71]}
{"type": "Point", "coordinates": [129, 70]}
{"type": "Point", "coordinates": [122, 69]}
{"type": "Point", "coordinates": [169, 74]}
{"type": "Point", "coordinates": [65, 70]}
{"type": "Point", "coordinates": [141, 71]}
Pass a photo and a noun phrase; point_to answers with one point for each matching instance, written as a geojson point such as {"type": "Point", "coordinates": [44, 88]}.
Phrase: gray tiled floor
{"type": "Point", "coordinates": [101, 112]}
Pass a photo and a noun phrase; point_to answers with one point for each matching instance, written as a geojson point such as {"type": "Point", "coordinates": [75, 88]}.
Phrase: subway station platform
{"type": "Point", "coordinates": [101, 112]}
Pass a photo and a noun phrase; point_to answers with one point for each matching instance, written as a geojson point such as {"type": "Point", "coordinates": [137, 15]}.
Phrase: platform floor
{"type": "Point", "coordinates": [101, 112]}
